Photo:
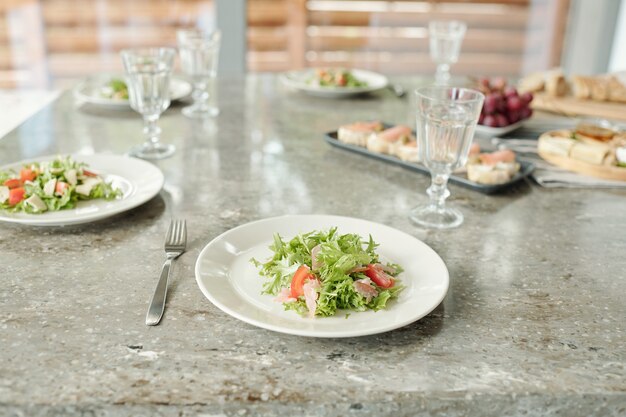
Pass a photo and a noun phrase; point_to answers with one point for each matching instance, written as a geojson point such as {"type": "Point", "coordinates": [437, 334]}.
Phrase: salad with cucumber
{"type": "Point", "coordinates": [336, 78]}
{"type": "Point", "coordinates": [52, 186]}
{"type": "Point", "coordinates": [115, 89]}
{"type": "Point", "coordinates": [320, 272]}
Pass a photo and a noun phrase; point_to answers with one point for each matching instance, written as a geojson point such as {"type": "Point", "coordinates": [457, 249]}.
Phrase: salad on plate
{"type": "Point", "coordinates": [336, 78]}
{"type": "Point", "coordinates": [115, 89]}
{"type": "Point", "coordinates": [320, 272]}
{"type": "Point", "coordinates": [52, 186]}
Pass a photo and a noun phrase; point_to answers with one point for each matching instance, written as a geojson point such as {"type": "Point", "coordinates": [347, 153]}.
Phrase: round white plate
{"type": "Point", "coordinates": [299, 80]}
{"type": "Point", "coordinates": [489, 132]}
{"type": "Point", "coordinates": [230, 281]}
{"type": "Point", "coordinates": [90, 91]}
{"type": "Point", "coordinates": [138, 179]}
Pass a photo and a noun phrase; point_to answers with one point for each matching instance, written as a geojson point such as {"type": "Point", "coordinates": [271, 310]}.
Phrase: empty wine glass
{"type": "Point", "coordinates": [199, 54]}
{"type": "Point", "coordinates": [446, 118]}
{"type": "Point", "coordinates": [148, 78]}
{"type": "Point", "coordinates": [445, 44]}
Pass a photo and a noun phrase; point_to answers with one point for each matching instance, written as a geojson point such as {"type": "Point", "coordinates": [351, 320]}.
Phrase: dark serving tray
{"type": "Point", "coordinates": [526, 168]}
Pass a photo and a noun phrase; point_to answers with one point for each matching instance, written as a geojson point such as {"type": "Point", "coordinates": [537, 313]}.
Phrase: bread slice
{"type": "Point", "coordinates": [593, 154]}
{"type": "Point", "coordinates": [582, 87]}
{"type": "Point", "coordinates": [389, 139]}
{"type": "Point", "coordinates": [617, 90]}
{"type": "Point", "coordinates": [408, 152]}
{"type": "Point", "coordinates": [358, 133]}
{"type": "Point", "coordinates": [555, 84]}
{"type": "Point", "coordinates": [487, 174]}
{"type": "Point", "coordinates": [556, 145]}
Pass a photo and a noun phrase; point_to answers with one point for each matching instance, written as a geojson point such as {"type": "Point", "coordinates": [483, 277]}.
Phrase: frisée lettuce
{"type": "Point", "coordinates": [52, 186]}
{"type": "Point", "coordinates": [320, 272]}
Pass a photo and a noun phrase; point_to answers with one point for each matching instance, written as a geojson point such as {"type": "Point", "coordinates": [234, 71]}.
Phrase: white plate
{"type": "Point", "coordinates": [90, 91]}
{"type": "Point", "coordinates": [138, 179]}
{"type": "Point", "coordinates": [299, 80]}
{"type": "Point", "coordinates": [486, 131]}
{"type": "Point", "coordinates": [229, 280]}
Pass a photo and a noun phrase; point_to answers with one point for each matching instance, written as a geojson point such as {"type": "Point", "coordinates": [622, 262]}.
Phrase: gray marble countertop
{"type": "Point", "coordinates": [533, 323]}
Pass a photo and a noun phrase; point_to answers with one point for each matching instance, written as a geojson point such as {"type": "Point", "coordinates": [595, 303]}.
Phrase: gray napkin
{"type": "Point", "coordinates": [549, 176]}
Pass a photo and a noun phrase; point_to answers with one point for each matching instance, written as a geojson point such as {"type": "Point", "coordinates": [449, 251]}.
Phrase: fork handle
{"type": "Point", "coordinates": [157, 304]}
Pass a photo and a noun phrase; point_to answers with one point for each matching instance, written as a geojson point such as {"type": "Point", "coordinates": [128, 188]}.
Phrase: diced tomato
{"type": "Point", "coordinates": [27, 174]}
{"type": "Point", "coordinates": [13, 183]}
{"type": "Point", "coordinates": [16, 195]}
{"type": "Point", "coordinates": [302, 275]}
{"type": "Point", "coordinates": [61, 187]}
{"type": "Point", "coordinates": [88, 173]}
{"type": "Point", "coordinates": [381, 278]}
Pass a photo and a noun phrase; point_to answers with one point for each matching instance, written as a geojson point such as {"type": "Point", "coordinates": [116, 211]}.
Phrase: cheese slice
{"type": "Point", "coordinates": [36, 203]}
{"type": "Point", "coordinates": [586, 152]}
{"type": "Point", "coordinates": [4, 193]}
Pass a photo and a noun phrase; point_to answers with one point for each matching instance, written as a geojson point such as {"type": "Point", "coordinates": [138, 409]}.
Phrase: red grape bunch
{"type": "Point", "coordinates": [503, 105]}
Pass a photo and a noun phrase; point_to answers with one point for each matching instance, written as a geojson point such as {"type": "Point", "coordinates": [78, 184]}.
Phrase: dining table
{"type": "Point", "coordinates": [533, 322]}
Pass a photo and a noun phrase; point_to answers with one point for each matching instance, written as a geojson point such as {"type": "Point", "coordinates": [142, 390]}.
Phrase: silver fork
{"type": "Point", "coordinates": [175, 243]}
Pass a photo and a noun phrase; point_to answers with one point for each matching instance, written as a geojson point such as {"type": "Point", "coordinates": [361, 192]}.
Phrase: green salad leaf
{"type": "Point", "coordinates": [54, 185]}
{"type": "Point", "coordinates": [340, 261]}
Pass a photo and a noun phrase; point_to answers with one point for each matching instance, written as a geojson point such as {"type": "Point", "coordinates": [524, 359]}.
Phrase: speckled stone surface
{"type": "Point", "coordinates": [533, 323]}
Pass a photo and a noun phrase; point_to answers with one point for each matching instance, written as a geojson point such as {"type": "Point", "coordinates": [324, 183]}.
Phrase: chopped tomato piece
{"type": "Point", "coordinates": [302, 275]}
{"type": "Point", "coordinates": [27, 174]}
{"type": "Point", "coordinates": [16, 195]}
{"type": "Point", "coordinates": [61, 187]}
{"type": "Point", "coordinates": [376, 273]}
{"type": "Point", "coordinates": [13, 183]}
{"type": "Point", "coordinates": [88, 173]}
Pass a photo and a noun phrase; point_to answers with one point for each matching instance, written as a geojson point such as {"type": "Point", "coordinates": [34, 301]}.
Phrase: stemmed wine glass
{"type": "Point", "coordinates": [445, 45]}
{"type": "Point", "coordinates": [446, 118]}
{"type": "Point", "coordinates": [148, 78]}
{"type": "Point", "coordinates": [199, 54]}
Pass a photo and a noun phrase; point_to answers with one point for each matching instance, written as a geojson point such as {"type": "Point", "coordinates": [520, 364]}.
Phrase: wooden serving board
{"type": "Point", "coordinates": [570, 106]}
{"type": "Point", "coordinates": [599, 171]}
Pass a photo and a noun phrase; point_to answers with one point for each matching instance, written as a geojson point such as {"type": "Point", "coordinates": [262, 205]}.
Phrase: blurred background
{"type": "Point", "coordinates": [48, 44]}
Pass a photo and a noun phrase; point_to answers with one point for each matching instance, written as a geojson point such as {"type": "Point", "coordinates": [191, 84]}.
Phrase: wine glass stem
{"type": "Point", "coordinates": [151, 130]}
{"type": "Point", "coordinates": [200, 95]}
{"type": "Point", "coordinates": [438, 190]}
{"type": "Point", "coordinates": [442, 76]}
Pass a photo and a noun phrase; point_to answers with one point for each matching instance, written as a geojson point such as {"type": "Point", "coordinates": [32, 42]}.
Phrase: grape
{"type": "Point", "coordinates": [501, 120]}
{"type": "Point", "coordinates": [514, 116]}
{"type": "Point", "coordinates": [491, 104]}
{"type": "Point", "coordinates": [526, 112]}
{"type": "Point", "coordinates": [503, 102]}
{"type": "Point", "coordinates": [527, 97]}
{"type": "Point", "coordinates": [501, 106]}
{"type": "Point", "coordinates": [490, 121]}
{"type": "Point", "coordinates": [510, 91]}
{"type": "Point", "coordinates": [514, 103]}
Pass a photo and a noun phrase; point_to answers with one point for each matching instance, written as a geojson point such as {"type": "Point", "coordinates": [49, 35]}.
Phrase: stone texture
{"type": "Point", "coordinates": [533, 323]}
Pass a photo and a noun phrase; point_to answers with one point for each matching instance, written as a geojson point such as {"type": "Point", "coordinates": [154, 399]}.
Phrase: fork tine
{"type": "Point", "coordinates": [184, 235]}
{"type": "Point", "coordinates": [179, 232]}
{"type": "Point", "coordinates": [176, 236]}
{"type": "Point", "coordinates": [170, 233]}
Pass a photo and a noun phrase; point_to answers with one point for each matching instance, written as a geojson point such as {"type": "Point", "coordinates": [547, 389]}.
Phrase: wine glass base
{"type": "Point", "coordinates": [157, 151]}
{"type": "Point", "coordinates": [433, 217]}
{"type": "Point", "coordinates": [196, 112]}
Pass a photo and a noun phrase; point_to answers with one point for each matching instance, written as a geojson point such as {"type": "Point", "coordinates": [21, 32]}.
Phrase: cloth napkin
{"type": "Point", "coordinates": [558, 178]}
